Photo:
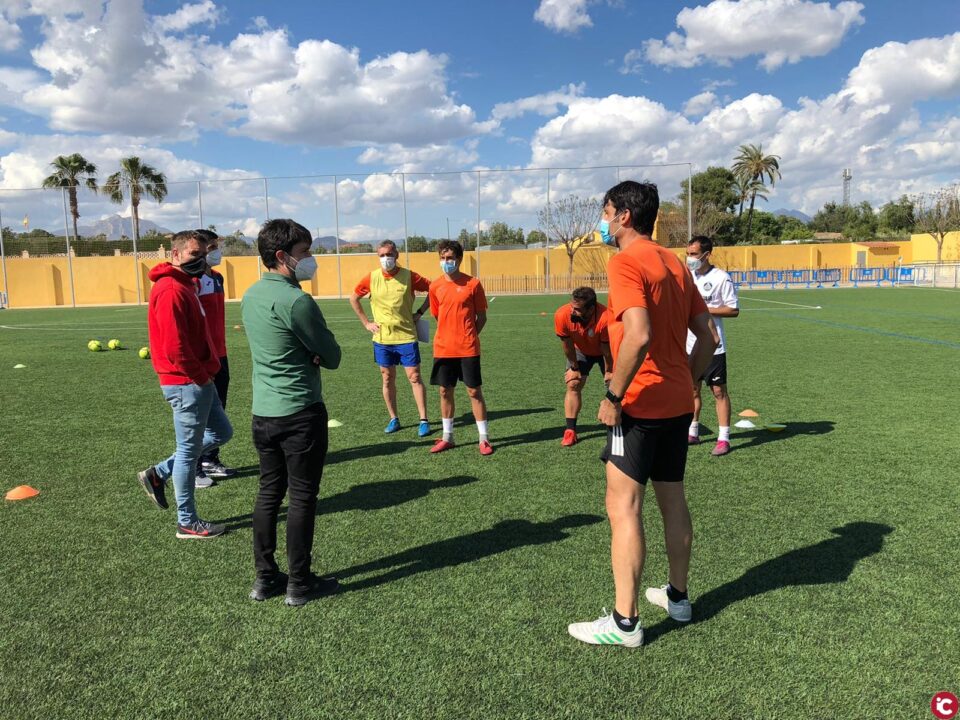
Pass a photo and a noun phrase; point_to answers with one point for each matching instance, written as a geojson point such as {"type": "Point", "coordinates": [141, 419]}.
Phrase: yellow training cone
{"type": "Point", "coordinates": [334, 423]}
{"type": "Point", "coordinates": [22, 492]}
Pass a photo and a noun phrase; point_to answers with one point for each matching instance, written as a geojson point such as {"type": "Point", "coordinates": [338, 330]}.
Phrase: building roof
{"type": "Point", "coordinates": [878, 244]}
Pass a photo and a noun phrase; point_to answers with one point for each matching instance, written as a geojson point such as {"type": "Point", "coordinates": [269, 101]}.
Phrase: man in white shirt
{"type": "Point", "coordinates": [717, 290]}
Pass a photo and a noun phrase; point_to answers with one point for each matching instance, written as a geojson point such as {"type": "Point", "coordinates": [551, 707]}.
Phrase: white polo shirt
{"type": "Point", "coordinates": [717, 290]}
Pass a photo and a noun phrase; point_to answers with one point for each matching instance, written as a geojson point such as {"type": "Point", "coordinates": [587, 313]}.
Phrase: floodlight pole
{"type": "Point", "coordinates": [200, 204]}
{"type": "Point", "coordinates": [266, 199]}
{"type": "Point", "coordinates": [406, 234]}
{"type": "Point", "coordinates": [689, 203]}
{"type": "Point", "coordinates": [477, 250]}
{"type": "Point", "coordinates": [73, 293]}
{"type": "Point", "coordinates": [3, 262]}
{"type": "Point", "coordinates": [547, 243]}
{"type": "Point", "coordinates": [336, 220]}
{"type": "Point", "coordinates": [136, 256]}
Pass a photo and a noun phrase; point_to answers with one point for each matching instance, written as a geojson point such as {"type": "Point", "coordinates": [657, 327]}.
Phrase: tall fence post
{"type": "Point", "coordinates": [477, 250]}
{"type": "Point", "coordinates": [199, 205]}
{"type": "Point", "coordinates": [66, 236]}
{"type": "Point", "coordinates": [689, 202]}
{"type": "Point", "coordinates": [336, 222]}
{"type": "Point", "coordinates": [3, 262]}
{"type": "Point", "coordinates": [403, 199]}
{"type": "Point", "coordinates": [136, 254]}
{"type": "Point", "coordinates": [547, 243]}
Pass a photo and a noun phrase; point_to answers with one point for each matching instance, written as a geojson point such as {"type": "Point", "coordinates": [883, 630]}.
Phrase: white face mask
{"type": "Point", "coordinates": [305, 268]}
{"type": "Point", "coordinates": [694, 263]}
{"type": "Point", "coordinates": [388, 262]}
{"type": "Point", "coordinates": [214, 257]}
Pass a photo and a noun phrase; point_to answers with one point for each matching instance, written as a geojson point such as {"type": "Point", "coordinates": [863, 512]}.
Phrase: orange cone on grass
{"type": "Point", "coordinates": [21, 492]}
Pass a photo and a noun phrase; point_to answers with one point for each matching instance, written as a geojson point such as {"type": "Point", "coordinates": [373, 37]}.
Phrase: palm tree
{"type": "Point", "coordinates": [744, 189]}
{"type": "Point", "coordinates": [142, 179]}
{"type": "Point", "coordinates": [69, 170]}
{"type": "Point", "coordinates": [752, 164]}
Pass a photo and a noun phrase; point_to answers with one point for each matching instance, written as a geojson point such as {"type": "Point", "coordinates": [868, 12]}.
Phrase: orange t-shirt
{"type": "Point", "coordinates": [649, 276]}
{"type": "Point", "coordinates": [418, 283]}
{"type": "Point", "coordinates": [455, 304]}
{"type": "Point", "coordinates": [586, 339]}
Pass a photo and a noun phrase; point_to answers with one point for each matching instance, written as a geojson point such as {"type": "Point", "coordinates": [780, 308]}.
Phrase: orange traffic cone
{"type": "Point", "coordinates": [21, 492]}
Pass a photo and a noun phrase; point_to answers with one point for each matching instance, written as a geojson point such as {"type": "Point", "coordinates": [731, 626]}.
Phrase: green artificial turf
{"type": "Point", "coordinates": [825, 569]}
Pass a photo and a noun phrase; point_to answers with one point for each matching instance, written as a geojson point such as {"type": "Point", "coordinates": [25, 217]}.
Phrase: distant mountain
{"type": "Point", "coordinates": [327, 242]}
{"type": "Point", "coordinates": [115, 227]}
{"type": "Point", "coordinates": [802, 217]}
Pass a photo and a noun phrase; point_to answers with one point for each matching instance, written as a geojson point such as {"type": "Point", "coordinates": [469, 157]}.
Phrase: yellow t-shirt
{"type": "Point", "coordinates": [391, 299]}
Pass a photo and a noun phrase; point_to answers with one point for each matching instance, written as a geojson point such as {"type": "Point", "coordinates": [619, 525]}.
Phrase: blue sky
{"type": "Point", "coordinates": [210, 91]}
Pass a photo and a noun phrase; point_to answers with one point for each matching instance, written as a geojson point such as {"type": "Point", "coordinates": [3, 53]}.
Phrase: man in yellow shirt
{"type": "Point", "coordinates": [391, 290]}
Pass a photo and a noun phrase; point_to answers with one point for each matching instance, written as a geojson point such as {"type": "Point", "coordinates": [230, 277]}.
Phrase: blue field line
{"type": "Point", "coordinates": [875, 331]}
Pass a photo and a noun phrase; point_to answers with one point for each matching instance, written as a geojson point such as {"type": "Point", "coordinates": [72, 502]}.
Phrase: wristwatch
{"type": "Point", "coordinates": [616, 400]}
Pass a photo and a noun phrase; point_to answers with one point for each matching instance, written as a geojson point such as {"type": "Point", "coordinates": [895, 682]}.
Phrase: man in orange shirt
{"type": "Point", "coordinates": [459, 304]}
{"type": "Point", "coordinates": [648, 406]}
{"type": "Point", "coordinates": [581, 326]}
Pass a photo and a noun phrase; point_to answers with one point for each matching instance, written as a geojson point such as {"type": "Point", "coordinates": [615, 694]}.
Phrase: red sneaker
{"type": "Point", "coordinates": [693, 440]}
{"type": "Point", "coordinates": [441, 445]}
{"type": "Point", "coordinates": [486, 448]}
{"type": "Point", "coordinates": [569, 438]}
{"type": "Point", "coordinates": [722, 448]}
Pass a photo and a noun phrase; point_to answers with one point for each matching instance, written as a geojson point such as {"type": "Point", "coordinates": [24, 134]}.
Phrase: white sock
{"type": "Point", "coordinates": [447, 429]}
{"type": "Point", "coordinates": [694, 429]}
{"type": "Point", "coordinates": [724, 434]}
{"type": "Point", "coordinates": [482, 429]}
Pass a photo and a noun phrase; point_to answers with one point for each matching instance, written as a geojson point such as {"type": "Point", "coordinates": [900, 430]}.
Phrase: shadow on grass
{"type": "Point", "coordinates": [827, 562]}
{"type": "Point", "coordinates": [502, 537]}
{"type": "Point", "coordinates": [760, 436]}
{"type": "Point", "coordinates": [367, 496]}
{"type": "Point", "coordinates": [466, 418]}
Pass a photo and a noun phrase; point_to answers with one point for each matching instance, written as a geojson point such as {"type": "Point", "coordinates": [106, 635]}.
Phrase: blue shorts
{"type": "Point", "coordinates": [407, 354]}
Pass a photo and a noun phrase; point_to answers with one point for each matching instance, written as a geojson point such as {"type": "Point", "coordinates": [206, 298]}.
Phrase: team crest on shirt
{"type": "Point", "coordinates": [708, 286]}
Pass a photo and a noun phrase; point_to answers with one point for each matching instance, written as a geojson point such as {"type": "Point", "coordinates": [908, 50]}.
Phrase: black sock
{"type": "Point", "coordinates": [572, 424]}
{"type": "Point", "coordinates": [675, 595]}
{"type": "Point", "coordinates": [624, 623]}
{"type": "Point", "coordinates": [424, 420]}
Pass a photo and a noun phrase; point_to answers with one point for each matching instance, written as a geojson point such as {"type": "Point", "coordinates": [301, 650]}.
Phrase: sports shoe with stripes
{"type": "Point", "coordinates": [604, 631]}
{"type": "Point", "coordinates": [200, 530]}
{"type": "Point", "coordinates": [680, 611]}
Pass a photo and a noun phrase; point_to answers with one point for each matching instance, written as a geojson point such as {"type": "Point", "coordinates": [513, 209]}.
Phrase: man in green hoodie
{"type": "Point", "coordinates": [289, 342]}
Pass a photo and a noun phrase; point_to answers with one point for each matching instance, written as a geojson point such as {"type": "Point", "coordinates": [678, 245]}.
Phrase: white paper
{"type": "Point", "coordinates": [423, 330]}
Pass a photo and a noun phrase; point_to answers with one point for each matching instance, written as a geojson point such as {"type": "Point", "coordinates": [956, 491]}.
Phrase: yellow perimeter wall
{"type": "Point", "coordinates": [45, 282]}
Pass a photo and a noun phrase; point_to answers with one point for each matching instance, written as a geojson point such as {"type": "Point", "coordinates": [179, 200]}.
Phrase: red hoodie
{"type": "Point", "coordinates": [180, 344]}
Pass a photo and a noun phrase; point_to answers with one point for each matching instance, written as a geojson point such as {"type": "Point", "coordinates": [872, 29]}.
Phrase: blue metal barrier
{"type": "Point", "coordinates": [867, 275]}
{"type": "Point", "coordinates": [764, 277]}
{"type": "Point", "coordinates": [831, 276]}
{"type": "Point", "coordinates": [797, 277]}
{"type": "Point", "coordinates": [738, 277]}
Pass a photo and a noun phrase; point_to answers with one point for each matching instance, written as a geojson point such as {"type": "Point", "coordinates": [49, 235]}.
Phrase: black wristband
{"type": "Point", "coordinates": [613, 398]}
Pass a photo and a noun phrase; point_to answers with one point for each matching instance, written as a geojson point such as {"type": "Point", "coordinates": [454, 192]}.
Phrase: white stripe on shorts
{"type": "Point", "coordinates": [616, 442]}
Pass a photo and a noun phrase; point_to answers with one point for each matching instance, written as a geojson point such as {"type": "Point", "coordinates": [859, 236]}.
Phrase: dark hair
{"type": "Point", "coordinates": [184, 236]}
{"type": "Point", "coordinates": [706, 244]}
{"type": "Point", "coordinates": [280, 234]}
{"type": "Point", "coordinates": [208, 236]}
{"type": "Point", "coordinates": [585, 295]}
{"type": "Point", "coordinates": [445, 245]}
{"type": "Point", "coordinates": [641, 199]}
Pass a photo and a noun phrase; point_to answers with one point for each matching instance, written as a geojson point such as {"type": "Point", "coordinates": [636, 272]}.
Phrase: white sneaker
{"type": "Point", "coordinates": [679, 611]}
{"type": "Point", "coordinates": [604, 631]}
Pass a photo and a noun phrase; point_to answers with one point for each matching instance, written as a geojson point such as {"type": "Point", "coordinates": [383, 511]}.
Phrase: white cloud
{"type": "Point", "coordinates": [632, 63]}
{"type": "Point", "coordinates": [429, 158]}
{"type": "Point", "coordinates": [114, 69]}
{"type": "Point", "coordinates": [9, 35]}
{"type": "Point", "coordinates": [871, 125]}
{"type": "Point", "coordinates": [778, 30]}
{"type": "Point", "coordinates": [546, 104]}
{"type": "Point", "coordinates": [700, 104]}
{"type": "Point", "coordinates": [563, 15]}
{"type": "Point", "coordinates": [201, 13]}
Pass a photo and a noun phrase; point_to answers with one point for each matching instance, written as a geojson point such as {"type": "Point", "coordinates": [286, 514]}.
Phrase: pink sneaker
{"type": "Point", "coordinates": [693, 440]}
{"type": "Point", "coordinates": [486, 448]}
{"type": "Point", "coordinates": [441, 445]}
{"type": "Point", "coordinates": [722, 448]}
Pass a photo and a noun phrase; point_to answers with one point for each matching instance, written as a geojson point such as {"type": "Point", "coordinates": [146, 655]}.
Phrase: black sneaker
{"type": "Point", "coordinates": [316, 587]}
{"type": "Point", "coordinates": [153, 486]}
{"type": "Point", "coordinates": [264, 587]}
{"type": "Point", "coordinates": [200, 530]}
{"type": "Point", "coordinates": [216, 469]}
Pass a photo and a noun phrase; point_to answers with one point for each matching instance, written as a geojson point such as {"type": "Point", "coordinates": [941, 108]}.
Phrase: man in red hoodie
{"type": "Point", "coordinates": [186, 362]}
{"type": "Point", "coordinates": [212, 296]}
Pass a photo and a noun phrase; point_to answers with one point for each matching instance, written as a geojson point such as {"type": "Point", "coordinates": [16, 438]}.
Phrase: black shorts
{"type": "Point", "coordinates": [585, 363]}
{"type": "Point", "coordinates": [446, 372]}
{"type": "Point", "coordinates": [649, 449]}
{"type": "Point", "coordinates": [716, 373]}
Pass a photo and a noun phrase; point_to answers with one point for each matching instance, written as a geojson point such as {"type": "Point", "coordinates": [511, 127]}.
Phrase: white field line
{"type": "Point", "coordinates": [922, 287]}
{"type": "Point", "coordinates": [779, 309]}
{"type": "Point", "coordinates": [780, 302]}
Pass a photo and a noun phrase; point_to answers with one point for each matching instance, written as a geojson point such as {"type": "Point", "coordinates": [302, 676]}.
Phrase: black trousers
{"type": "Point", "coordinates": [292, 451]}
{"type": "Point", "coordinates": [222, 382]}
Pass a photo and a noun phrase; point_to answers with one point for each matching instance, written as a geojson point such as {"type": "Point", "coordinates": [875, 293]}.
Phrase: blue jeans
{"type": "Point", "coordinates": [201, 426]}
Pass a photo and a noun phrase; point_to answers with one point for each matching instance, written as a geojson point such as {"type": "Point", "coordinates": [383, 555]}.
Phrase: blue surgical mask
{"type": "Point", "coordinates": [694, 263]}
{"type": "Point", "coordinates": [448, 266]}
{"type": "Point", "coordinates": [605, 235]}
{"type": "Point", "coordinates": [214, 257]}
